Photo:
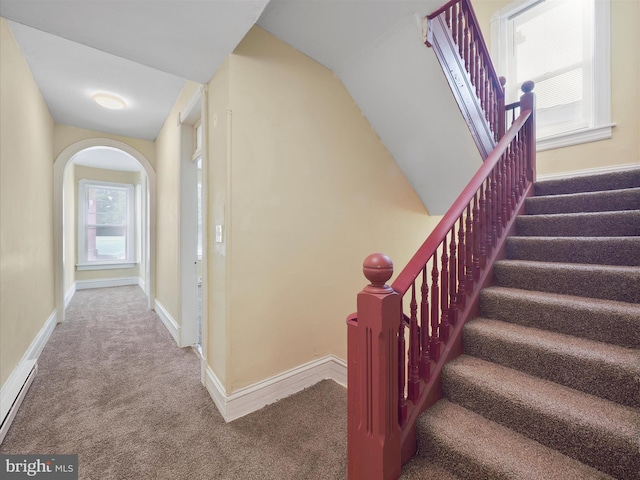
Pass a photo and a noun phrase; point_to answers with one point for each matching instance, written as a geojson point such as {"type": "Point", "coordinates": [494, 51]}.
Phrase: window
{"type": "Point", "coordinates": [106, 228]}
{"type": "Point", "coordinates": [563, 46]}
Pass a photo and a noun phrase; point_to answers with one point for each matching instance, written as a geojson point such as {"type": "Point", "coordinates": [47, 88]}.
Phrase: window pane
{"type": "Point", "coordinates": [548, 37]}
{"type": "Point", "coordinates": [109, 206]}
{"type": "Point", "coordinates": [106, 226]}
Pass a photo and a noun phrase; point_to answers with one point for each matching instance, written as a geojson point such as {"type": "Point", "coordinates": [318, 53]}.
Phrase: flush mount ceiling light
{"type": "Point", "coordinates": [109, 100]}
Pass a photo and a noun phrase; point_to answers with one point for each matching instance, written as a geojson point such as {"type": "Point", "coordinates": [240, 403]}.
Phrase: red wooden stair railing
{"type": "Point", "coordinates": [454, 34]}
{"type": "Point", "coordinates": [403, 334]}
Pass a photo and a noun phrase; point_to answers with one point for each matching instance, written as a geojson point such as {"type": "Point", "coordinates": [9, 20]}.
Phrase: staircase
{"type": "Point", "coordinates": [548, 386]}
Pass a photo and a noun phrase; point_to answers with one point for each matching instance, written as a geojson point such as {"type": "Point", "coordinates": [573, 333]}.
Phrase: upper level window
{"type": "Point", "coordinates": [563, 46]}
{"type": "Point", "coordinates": [106, 228]}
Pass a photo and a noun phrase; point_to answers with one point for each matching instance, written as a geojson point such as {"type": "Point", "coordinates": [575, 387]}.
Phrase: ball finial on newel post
{"type": "Point", "coordinates": [378, 268]}
{"type": "Point", "coordinates": [527, 86]}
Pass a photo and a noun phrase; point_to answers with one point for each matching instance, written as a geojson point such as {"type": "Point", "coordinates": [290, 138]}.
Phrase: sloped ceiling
{"type": "Point", "coordinates": [376, 49]}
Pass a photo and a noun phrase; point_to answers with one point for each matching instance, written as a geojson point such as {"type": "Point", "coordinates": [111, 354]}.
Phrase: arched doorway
{"type": "Point", "coordinates": [61, 163]}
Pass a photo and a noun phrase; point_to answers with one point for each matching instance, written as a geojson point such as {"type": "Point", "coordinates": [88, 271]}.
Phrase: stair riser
{"type": "Point", "coordinates": [591, 183]}
{"type": "Point", "coordinates": [594, 202]}
{"type": "Point", "coordinates": [604, 251]}
{"type": "Point", "coordinates": [618, 224]}
{"type": "Point", "coordinates": [595, 376]}
{"type": "Point", "coordinates": [618, 327]}
{"type": "Point", "coordinates": [622, 286]}
{"type": "Point", "coordinates": [615, 456]}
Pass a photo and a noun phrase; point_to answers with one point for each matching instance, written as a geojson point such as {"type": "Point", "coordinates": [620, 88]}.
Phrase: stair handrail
{"type": "Point", "coordinates": [453, 31]}
{"type": "Point", "coordinates": [389, 382]}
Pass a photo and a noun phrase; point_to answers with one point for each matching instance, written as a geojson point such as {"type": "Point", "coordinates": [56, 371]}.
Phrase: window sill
{"type": "Point", "coordinates": [104, 265]}
{"type": "Point", "coordinates": [575, 138]}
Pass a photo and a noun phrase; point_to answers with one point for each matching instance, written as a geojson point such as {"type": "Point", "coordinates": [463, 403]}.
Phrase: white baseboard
{"type": "Point", "coordinates": [16, 386]}
{"type": "Point", "coordinates": [142, 284]}
{"type": "Point", "coordinates": [168, 320]}
{"type": "Point", "coordinates": [256, 396]}
{"type": "Point", "coordinates": [106, 282]}
{"type": "Point", "coordinates": [588, 171]}
{"type": "Point", "coordinates": [69, 295]}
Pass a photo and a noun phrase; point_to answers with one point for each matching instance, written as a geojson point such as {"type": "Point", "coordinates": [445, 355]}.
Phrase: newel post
{"type": "Point", "coordinates": [528, 102]}
{"type": "Point", "coordinates": [373, 432]}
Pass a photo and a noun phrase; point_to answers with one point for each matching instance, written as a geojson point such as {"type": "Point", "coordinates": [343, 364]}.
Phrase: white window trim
{"type": "Point", "coordinates": [602, 126]}
{"type": "Point", "coordinates": [83, 263]}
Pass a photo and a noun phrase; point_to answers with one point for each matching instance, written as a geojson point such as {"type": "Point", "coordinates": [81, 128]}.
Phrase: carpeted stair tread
{"type": "Point", "coordinates": [589, 183]}
{"type": "Point", "coordinates": [604, 201]}
{"type": "Point", "coordinates": [607, 371]}
{"type": "Point", "coordinates": [601, 320]}
{"type": "Point", "coordinates": [611, 282]}
{"type": "Point", "coordinates": [475, 448]}
{"type": "Point", "coordinates": [592, 250]}
{"type": "Point", "coordinates": [586, 224]}
{"type": "Point", "coordinates": [421, 468]}
{"type": "Point", "coordinates": [592, 430]}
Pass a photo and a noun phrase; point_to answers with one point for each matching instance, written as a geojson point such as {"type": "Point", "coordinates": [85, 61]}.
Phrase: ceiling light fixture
{"type": "Point", "coordinates": [109, 100]}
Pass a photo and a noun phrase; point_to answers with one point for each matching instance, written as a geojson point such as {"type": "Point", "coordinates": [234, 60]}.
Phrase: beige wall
{"type": "Point", "coordinates": [310, 192]}
{"type": "Point", "coordinates": [624, 146]}
{"type": "Point", "coordinates": [218, 202]}
{"type": "Point", "coordinates": [167, 207]}
{"type": "Point", "coordinates": [116, 176]}
{"type": "Point", "coordinates": [26, 228]}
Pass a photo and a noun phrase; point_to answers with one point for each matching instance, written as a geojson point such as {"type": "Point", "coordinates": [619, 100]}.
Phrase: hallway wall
{"type": "Point", "coordinates": [168, 207]}
{"type": "Point", "coordinates": [305, 190]}
{"type": "Point", "coordinates": [26, 211]}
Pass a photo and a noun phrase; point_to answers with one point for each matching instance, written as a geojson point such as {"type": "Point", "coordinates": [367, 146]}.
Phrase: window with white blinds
{"type": "Point", "coordinates": [563, 47]}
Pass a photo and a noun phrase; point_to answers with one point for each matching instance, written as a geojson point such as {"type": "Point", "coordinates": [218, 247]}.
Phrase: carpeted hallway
{"type": "Point", "coordinates": [113, 387]}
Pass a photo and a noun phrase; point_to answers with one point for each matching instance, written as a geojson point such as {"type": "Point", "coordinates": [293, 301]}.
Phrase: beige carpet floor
{"type": "Point", "coordinates": [114, 388]}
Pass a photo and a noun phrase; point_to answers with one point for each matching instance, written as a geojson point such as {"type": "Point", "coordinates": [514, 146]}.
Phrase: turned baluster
{"type": "Point", "coordinates": [462, 288]}
{"type": "Point", "coordinates": [473, 68]}
{"type": "Point", "coordinates": [499, 199]}
{"type": "Point", "coordinates": [504, 193]}
{"type": "Point", "coordinates": [482, 228]}
{"type": "Point", "coordinates": [434, 347]}
{"type": "Point", "coordinates": [466, 48]}
{"type": "Point", "coordinates": [425, 366]}
{"type": "Point", "coordinates": [469, 260]}
{"type": "Point", "coordinates": [402, 401]}
{"type": "Point", "coordinates": [483, 102]}
{"type": "Point", "coordinates": [444, 293]}
{"type": "Point", "coordinates": [495, 207]}
{"type": "Point", "coordinates": [488, 218]}
{"type": "Point", "coordinates": [453, 279]}
{"type": "Point", "coordinates": [414, 348]}
{"type": "Point", "coordinates": [454, 23]}
{"type": "Point", "coordinates": [514, 172]}
{"type": "Point", "coordinates": [476, 239]}
{"type": "Point", "coordinates": [461, 31]}
{"type": "Point", "coordinates": [507, 176]}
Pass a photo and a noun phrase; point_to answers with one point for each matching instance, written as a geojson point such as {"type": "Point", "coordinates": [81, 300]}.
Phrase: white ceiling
{"type": "Point", "coordinates": [145, 50]}
{"type": "Point", "coordinates": [141, 50]}
{"type": "Point", "coordinates": [107, 158]}
{"type": "Point", "coordinates": [376, 49]}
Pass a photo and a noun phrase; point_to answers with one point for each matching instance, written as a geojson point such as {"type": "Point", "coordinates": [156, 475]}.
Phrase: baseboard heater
{"type": "Point", "coordinates": [13, 393]}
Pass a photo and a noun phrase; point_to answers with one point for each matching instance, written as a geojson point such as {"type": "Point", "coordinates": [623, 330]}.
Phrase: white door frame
{"type": "Point", "coordinates": [194, 112]}
{"type": "Point", "coordinates": [61, 163]}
